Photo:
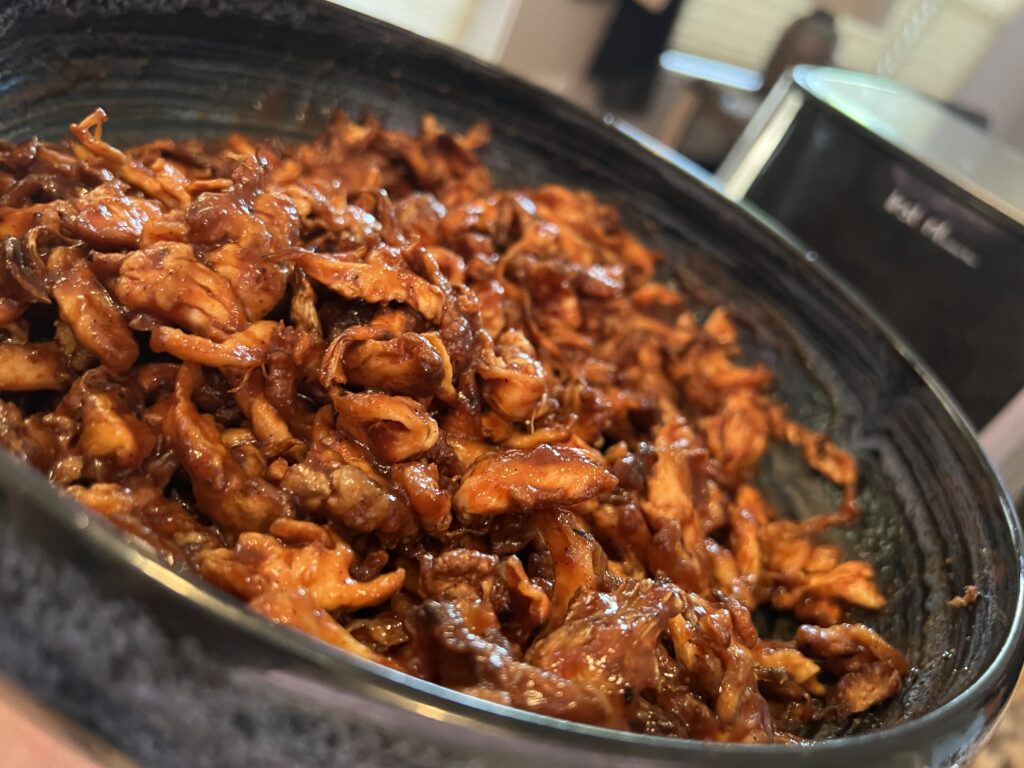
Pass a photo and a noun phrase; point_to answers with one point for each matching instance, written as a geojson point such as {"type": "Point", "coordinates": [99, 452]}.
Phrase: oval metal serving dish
{"type": "Point", "coordinates": [173, 673]}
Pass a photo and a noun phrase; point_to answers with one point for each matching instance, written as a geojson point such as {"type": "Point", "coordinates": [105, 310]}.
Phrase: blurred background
{"type": "Point", "coordinates": [692, 72]}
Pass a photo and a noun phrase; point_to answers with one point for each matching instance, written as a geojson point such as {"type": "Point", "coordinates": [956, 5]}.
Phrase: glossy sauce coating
{"type": "Point", "coordinates": [454, 429]}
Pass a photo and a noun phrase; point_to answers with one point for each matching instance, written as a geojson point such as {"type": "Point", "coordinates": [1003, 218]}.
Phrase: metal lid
{"type": "Point", "coordinates": [925, 130]}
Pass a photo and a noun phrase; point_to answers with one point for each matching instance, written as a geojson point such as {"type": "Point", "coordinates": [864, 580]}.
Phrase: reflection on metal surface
{"type": "Point", "coordinates": [324, 691]}
{"type": "Point", "coordinates": [662, 150]}
{"type": "Point", "coordinates": [927, 131]}
{"type": "Point", "coordinates": [710, 70]}
{"type": "Point", "coordinates": [759, 139]}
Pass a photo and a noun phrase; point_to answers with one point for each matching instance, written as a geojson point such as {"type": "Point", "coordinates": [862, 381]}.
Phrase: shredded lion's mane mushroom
{"type": "Point", "coordinates": [454, 429]}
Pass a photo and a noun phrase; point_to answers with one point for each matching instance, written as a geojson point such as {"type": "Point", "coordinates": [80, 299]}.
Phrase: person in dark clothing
{"type": "Point", "coordinates": [627, 61]}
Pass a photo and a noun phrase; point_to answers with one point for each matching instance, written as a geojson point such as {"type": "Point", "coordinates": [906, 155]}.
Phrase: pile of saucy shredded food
{"type": "Point", "coordinates": [456, 430]}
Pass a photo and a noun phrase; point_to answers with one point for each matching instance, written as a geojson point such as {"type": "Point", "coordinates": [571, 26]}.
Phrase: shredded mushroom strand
{"type": "Point", "coordinates": [453, 429]}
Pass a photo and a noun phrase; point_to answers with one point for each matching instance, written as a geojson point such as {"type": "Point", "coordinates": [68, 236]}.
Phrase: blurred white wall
{"type": "Point", "coordinates": [553, 42]}
{"type": "Point", "coordinates": [996, 87]}
{"type": "Point", "coordinates": [442, 20]}
{"type": "Point", "coordinates": [549, 42]}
